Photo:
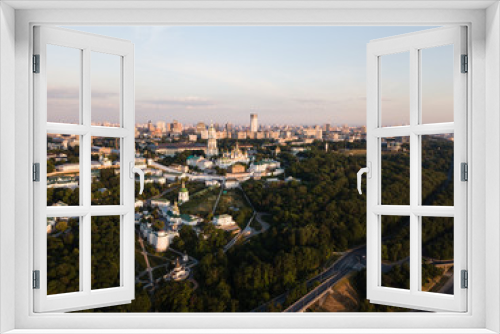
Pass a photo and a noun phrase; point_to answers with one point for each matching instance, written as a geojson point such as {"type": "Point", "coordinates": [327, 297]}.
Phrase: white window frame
{"type": "Point", "coordinates": [85, 297]}
{"type": "Point", "coordinates": [484, 49]}
{"type": "Point", "coordinates": [413, 43]}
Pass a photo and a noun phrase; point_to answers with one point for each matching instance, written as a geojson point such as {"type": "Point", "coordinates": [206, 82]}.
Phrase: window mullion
{"type": "Point", "coordinates": [414, 170]}
{"type": "Point", "coordinates": [85, 182]}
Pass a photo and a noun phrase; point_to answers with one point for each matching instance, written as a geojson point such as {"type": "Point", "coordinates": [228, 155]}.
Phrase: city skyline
{"type": "Point", "coordinates": [225, 73]}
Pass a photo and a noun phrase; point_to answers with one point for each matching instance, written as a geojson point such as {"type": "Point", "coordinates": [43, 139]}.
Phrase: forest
{"type": "Point", "coordinates": [310, 218]}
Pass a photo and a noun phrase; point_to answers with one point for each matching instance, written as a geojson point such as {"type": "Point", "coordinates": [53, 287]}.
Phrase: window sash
{"type": "Point", "coordinates": [414, 298]}
{"type": "Point", "coordinates": [85, 298]}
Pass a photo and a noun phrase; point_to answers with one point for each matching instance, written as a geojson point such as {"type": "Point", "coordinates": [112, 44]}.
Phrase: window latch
{"type": "Point", "coordinates": [368, 171]}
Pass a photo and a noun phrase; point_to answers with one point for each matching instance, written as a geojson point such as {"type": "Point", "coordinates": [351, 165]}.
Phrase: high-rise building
{"type": "Point", "coordinates": [200, 127]}
{"type": "Point", "coordinates": [161, 125]}
{"type": "Point", "coordinates": [254, 125]}
{"type": "Point", "coordinates": [212, 149]}
{"type": "Point", "coordinates": [151, 127]}
{"type": "Point", "coordinates": [318, 132]}
{"type": "Point", "coordinates": [176, 126]}
{"type": "Point", "coordinates": [328, 128]}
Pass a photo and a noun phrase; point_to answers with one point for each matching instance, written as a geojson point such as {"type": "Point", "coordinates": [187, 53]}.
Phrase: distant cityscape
{"type": "Point", "coordinates": [209, 189]}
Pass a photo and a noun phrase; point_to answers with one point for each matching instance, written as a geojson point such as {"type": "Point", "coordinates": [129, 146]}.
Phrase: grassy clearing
{"type": "Point", "coordinates": [201, 205]}
{"type": "Point", "coordinates": [233, 202]}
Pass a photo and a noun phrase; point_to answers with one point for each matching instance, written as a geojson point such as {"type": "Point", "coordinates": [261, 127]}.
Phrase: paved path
{"type": "Point", "coordinates": [163, 193]}
{"type": "Point", "coordinates": [148, 267]}
{"type": "Point", "coordinates": [218, 198]}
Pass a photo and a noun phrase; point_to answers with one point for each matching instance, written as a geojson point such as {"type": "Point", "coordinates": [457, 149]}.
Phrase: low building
{"type": "Point", "coordinates": [68, 168]}
{"type": "Point", "coordinates": [264, 165]}
{"type": "Point", "coordinates": [212, 183]}
{"type": "Point", "coordinates": [160, 240]}
{"type": "Point", "coordinates": [160, 203]}
{"type": "Point", "coordinates": [51, 224]}
{"type": "Point", "coordinates": [180, 168]}
{"type": "Point", "coordinates": [172, 149]}
{"type": "Point", "coordinates": [231, 184]}
{"type": "Point", "coordinates": [236, 169]}
{"type": "Point", "coordinates": [192, 160]}
{"type": "Point", "coordinates": [223, 220]}
{"type": "Point", "coordinates": [204, 164]}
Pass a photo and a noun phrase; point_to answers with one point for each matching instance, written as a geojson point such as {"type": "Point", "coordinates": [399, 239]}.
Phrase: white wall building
{"type": "Point", "coordinates": [68, 168]}
{"type": "Point", "coordinates": [223, 220]}
{"type": "Point", "coordinates": [212, 183]}
{"type": "Point", "coordinates": [264, 165]}
{"type": "Point", "coordinates": [161, 203]}
{"type": "Point", "coordinates": [231, 184]}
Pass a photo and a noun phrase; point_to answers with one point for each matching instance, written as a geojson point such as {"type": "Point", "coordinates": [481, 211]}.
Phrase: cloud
{"type": "Point", "coordinates": [313, 101]}
{"type": "Point", "coordinates": [188, 102]}
{"type": "Point", "coordinates": [63, 93]}
{"type": "Point", "coordinates": [103, 95]}
{"type": "Point", "coordinates": [74, 93]}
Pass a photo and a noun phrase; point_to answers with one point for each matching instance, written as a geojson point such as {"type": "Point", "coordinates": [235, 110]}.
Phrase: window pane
{"type": "Point", "coordinates": [437, 170]}
{"type": "Point", "coordinates": [63, 84]}
{"type": "Point", "coordinates": [63, 170]}
{"type": "Point", "coordinates": [395, 170]}
{"type": "Point", "coordinates": [105, 171]}
{"type": "Point", "coordinates": [63, 255]}
{"type": "Point", "coordinates": [105, 252]}
{"type": "Point", "coordinates": [396, 252]}
{"type": "Point", "coordinates": [437, 254]}
{"type": "Point", "coordinates": [437, 84]}
{"type": "Point", "coordinates": [106, 86]}
{"type": "Point", "coordinates": [395, 89]}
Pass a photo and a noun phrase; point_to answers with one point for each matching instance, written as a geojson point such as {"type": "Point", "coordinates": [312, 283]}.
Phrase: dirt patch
{"type": "Point", "coordinates": [341, 298]}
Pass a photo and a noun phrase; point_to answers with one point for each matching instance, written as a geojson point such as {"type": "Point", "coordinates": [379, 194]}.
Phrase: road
{"type": "Point", "coordinates": [251, 232]}
{"type": "Point", "coordinates": [311, 297]}
{"type": "Point", "coordinates": [235, 239]}
{"type": "Point", "coordinates": [332, 274]}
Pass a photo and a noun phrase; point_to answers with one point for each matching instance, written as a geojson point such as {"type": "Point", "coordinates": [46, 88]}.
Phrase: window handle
{"type": "Point", "coordinates": [368, 171]}
{"type": "Point", "coordinates": [134, 170]}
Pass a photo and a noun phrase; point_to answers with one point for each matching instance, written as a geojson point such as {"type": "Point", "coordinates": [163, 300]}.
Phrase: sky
{"type": "Point", "coordinates": [287, 75]}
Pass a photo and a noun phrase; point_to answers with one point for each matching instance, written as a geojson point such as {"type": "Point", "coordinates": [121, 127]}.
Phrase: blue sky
{"type": "Point", "coordinates": [293, 75]}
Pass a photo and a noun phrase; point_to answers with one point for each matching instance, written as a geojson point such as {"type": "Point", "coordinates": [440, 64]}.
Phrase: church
{"type": "Point", "coordinates": [183, 194]}
{"type": "Point", "coordinates": [229, 158]}
{"type": "Point", "coordinates": [212, 149]}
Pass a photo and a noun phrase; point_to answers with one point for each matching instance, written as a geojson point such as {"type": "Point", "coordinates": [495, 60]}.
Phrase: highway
{"type": "Point", "coordinates": [330, 275]}
{"type": "Point", "coordinates": [311, 297]}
